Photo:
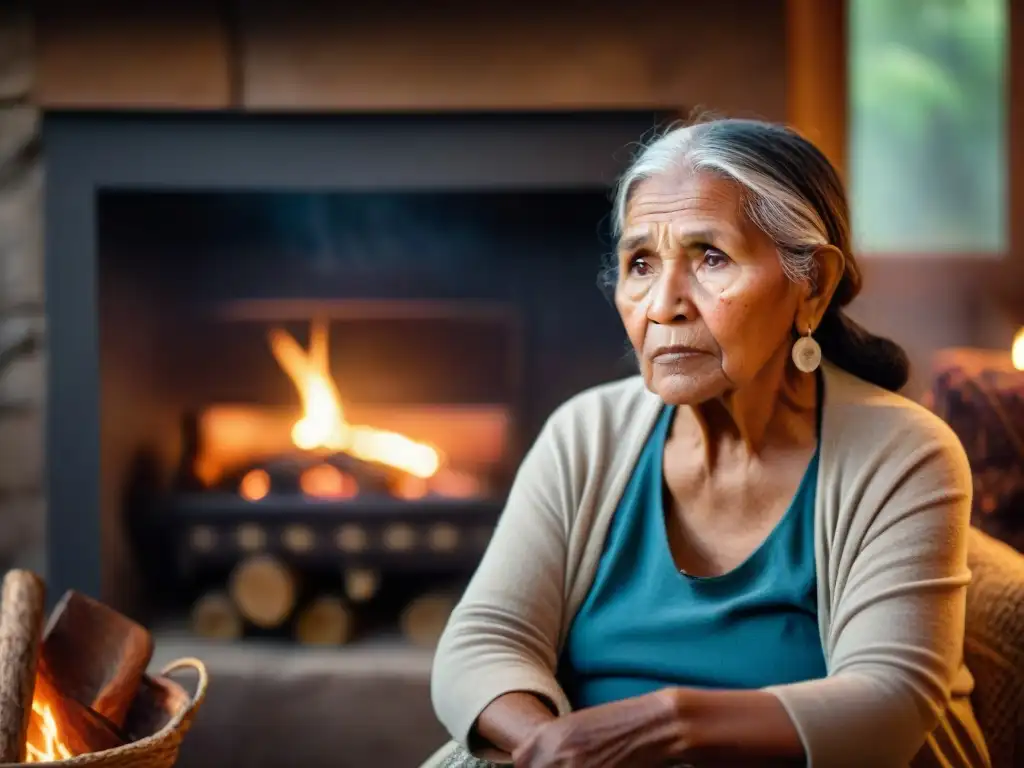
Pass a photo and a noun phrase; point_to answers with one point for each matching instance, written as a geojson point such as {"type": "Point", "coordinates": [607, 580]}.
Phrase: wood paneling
{"type": "Point", "coordinates": [122, 55]}
{"type": "Point", "coordinates": [816, 83]}
{"type": "Point", "coordinates": [727, 56]}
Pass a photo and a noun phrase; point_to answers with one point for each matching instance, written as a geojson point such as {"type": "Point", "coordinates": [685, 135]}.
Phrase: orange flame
{"type": "Point", "coordinates": [48, 747]}
{"type": "Point", "coordinates": [1017, 350]}
{"type": "Point", "coordinates": [323, 424]}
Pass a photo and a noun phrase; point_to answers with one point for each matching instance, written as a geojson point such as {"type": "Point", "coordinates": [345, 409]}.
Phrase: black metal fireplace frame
{"type": "Point", "coordinates": [89, 152]}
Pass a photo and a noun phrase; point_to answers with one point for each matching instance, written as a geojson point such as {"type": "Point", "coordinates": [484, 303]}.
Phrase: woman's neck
{"type": "Point", "coordinates": [778, 409]}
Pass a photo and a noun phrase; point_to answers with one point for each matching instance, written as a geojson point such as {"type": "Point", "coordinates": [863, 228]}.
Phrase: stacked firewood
{"type": "Point", "coordinates": [67, 688]}
{"type": "Point", "coordinates": [981, 396]}
{"type": "Point", "coordinates": [265, 593]}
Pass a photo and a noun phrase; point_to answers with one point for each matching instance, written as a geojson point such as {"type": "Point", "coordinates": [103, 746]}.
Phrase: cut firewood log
{"type": "Point", "coordinates": [264, 590]}
{"type": "Point", "coordinates": [326, 620]}
{"type": "Point", "coordinates": [96, 655]}
{"type": "Point", "coordinates": [424, 619]}
{"type": "Point", "coordinates": [22, 612]}
{"type": "Point", "coordinates": [61, 727]}
{"type": "Point", "coordinates": [215, 616]}
{"type": "Point", "coordinates": [361, 584]}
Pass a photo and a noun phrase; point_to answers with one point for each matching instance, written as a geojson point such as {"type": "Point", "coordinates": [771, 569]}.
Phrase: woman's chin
{"type": "Point", "coordinates": [678, 388]}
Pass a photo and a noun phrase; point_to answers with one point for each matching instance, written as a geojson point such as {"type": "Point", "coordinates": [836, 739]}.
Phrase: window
{"type": "Point", "coordinates": [927, 159]}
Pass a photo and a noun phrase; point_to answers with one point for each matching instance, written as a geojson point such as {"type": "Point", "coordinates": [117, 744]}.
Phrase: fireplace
{"type": "Point", "coordinates": [324, 342]}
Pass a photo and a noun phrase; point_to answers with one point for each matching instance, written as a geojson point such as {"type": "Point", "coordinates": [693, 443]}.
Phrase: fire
{"type": "Point", "coordinates": [323, 481]}
{"type": "Point", "coordinates": [48, 747]}
{"type": "Point", "coordinates": [323, 425]}
{"type": "Point", "coordinates": [255, 485]}
{"type": "Point", "coordinates": [1017, 350]}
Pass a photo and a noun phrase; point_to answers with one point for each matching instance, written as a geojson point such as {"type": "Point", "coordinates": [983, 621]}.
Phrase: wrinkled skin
{"type": "Point", "coordinates": [697, 275]}
{"type": "Point", "coordinates": [635, 732]}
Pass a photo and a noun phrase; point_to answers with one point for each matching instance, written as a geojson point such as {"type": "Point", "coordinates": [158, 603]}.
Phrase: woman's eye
{"type": "Point", "coordinates": [639, 267]}
{"type": "Point", "coordinates": [714, 258]}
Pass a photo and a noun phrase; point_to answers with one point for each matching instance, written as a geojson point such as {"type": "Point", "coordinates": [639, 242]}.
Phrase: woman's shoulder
{"type": "Point", "coordinates": [602, 423]}
{"type": "Point", "coordinates": [614, 399]}
{"type": "Point", "coordinates": [606, 410]}
{"type": "Point", "coordinates": [870, 426]}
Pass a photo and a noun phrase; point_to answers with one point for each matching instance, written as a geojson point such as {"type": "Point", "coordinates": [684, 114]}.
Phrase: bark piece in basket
{"type": "Point", "coordinates": [22, 610]}
{"type": "Point", "coordinates": [95, 655]}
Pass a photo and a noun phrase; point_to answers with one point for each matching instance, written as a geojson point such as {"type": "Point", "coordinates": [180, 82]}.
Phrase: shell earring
{"type": "Point", "coordinates": [806, 353]}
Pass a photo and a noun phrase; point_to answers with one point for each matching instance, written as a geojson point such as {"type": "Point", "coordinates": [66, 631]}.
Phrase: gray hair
{"type": "Point", "coordinates": [794, 195]}
{"type": "Point", "coordinates": [772, 205]}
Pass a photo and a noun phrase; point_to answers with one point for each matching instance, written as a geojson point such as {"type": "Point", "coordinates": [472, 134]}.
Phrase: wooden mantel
{"type": "Point", "coordinates": [775, 59]}
{"type": "Point", "coordinates": [727, 56]}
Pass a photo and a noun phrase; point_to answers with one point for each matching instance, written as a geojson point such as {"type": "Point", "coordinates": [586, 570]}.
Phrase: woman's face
{"type": "Point", "coordinates": [701, 290]}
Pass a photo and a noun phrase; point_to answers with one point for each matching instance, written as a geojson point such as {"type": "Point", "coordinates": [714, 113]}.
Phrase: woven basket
{"type": "Point", "coordinates": [158, 720]}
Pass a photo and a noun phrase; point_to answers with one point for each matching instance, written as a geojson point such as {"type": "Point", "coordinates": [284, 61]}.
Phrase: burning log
{"type": "Point", "coordinates": [327, 620]}
{"type": "Point", "coordinates": [235, 438]}
{"type": "Point", "coordinates": [21, 625]}
{"type": "Point", "coordinates": [81, 729]}
{"type": "Point", "coordinates": [215, 616]}
{"type": "Point", "coordinates": [95, 656]}
{"type": "Point", "coordinates": [424, 619]}
{"type": "Point", "coordinates": [264, 590]}
{"type": "Point", "coordinates": [361, 584]}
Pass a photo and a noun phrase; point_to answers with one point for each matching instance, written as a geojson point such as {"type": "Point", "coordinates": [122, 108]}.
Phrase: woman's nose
{"type": "Point", "coordinates": [671, 296]}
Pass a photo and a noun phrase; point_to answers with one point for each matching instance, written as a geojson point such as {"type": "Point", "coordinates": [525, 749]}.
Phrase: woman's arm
{"type": "Point", "coordinates": [896, 633]}
{"type": "Point", "coordinates": [502, 638]}
{"type": "Point", "coordinates": [511, 719]}
{"type": "Point", "coordinates": [674, 726]}
{"type": "Point", "coordinates": [734, 728]}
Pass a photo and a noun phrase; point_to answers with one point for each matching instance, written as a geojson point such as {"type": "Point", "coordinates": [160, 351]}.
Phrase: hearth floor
{"type": "Point", "coordinates": [276, 704]}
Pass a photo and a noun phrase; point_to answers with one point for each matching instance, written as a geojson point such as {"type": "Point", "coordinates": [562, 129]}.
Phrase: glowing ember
{"type": "Point", "coordinates": [411, 488]}
{"type": "Point", "coordinates": [323, 425]}
{"type": "Point", "coordinates": [255, 485]}
{"type": "Point", "coordinates": [44, 745]}
{"type": "Point", "coordinates": [323, 481]}
{"type": "Point", "coordinates": [1017, 350]}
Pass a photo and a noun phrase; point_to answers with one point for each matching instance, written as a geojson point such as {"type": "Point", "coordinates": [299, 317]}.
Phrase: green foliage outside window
{"type": "Point", "coordinates": [927, 161]}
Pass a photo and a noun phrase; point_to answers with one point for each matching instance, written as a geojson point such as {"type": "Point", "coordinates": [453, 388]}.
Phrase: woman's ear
{"type": "Point", "coordinates": [829, 266]}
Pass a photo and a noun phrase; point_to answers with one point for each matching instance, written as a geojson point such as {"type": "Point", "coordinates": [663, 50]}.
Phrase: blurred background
{"type": "Point", "coordinates": [233, 233]}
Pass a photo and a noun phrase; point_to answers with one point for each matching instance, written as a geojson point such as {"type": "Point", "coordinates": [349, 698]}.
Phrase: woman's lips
{"type": "Point", "coordinates": [674, 354]}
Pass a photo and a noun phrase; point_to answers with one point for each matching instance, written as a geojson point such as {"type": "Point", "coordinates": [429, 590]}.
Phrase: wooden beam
{"type": "Point", "coordinates": [1015, 142]}
{"type": "Point", "coordinates": [112, 54]}
{"type": "Point", "coordinates": [816, 78]}
{"type": "Point", "coordinates": [1005, 287]}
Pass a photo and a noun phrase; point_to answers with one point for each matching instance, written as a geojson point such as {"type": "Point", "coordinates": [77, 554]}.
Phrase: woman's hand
{"type": "Point", "coordinates": [644, 732]}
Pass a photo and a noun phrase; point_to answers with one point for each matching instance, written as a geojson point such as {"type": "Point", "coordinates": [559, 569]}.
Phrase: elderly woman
{"type": "Point", "coordinates": [753, 553]}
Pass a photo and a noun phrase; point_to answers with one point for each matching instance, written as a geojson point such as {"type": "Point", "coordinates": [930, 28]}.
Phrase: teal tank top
{"type": "Point", "coordinates": [646, 626]}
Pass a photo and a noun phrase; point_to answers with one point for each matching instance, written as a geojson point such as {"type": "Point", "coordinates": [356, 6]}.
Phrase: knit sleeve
{"type": "Point", "coordinates": [503, 635]}
{"type": "Point", "coordinates": [899, 585]}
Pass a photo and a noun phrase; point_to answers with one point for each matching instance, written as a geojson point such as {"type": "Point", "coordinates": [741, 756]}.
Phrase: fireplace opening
{"type": "Point", "coordinates": [314, 403]}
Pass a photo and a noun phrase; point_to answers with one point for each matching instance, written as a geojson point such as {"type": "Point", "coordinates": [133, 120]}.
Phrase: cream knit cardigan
{"type": "Point", "coordinates": [891, 523]}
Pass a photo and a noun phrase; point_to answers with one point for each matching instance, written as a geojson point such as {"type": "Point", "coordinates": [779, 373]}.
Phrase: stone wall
{"type": "Point", "coordinates": [22, 354]}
